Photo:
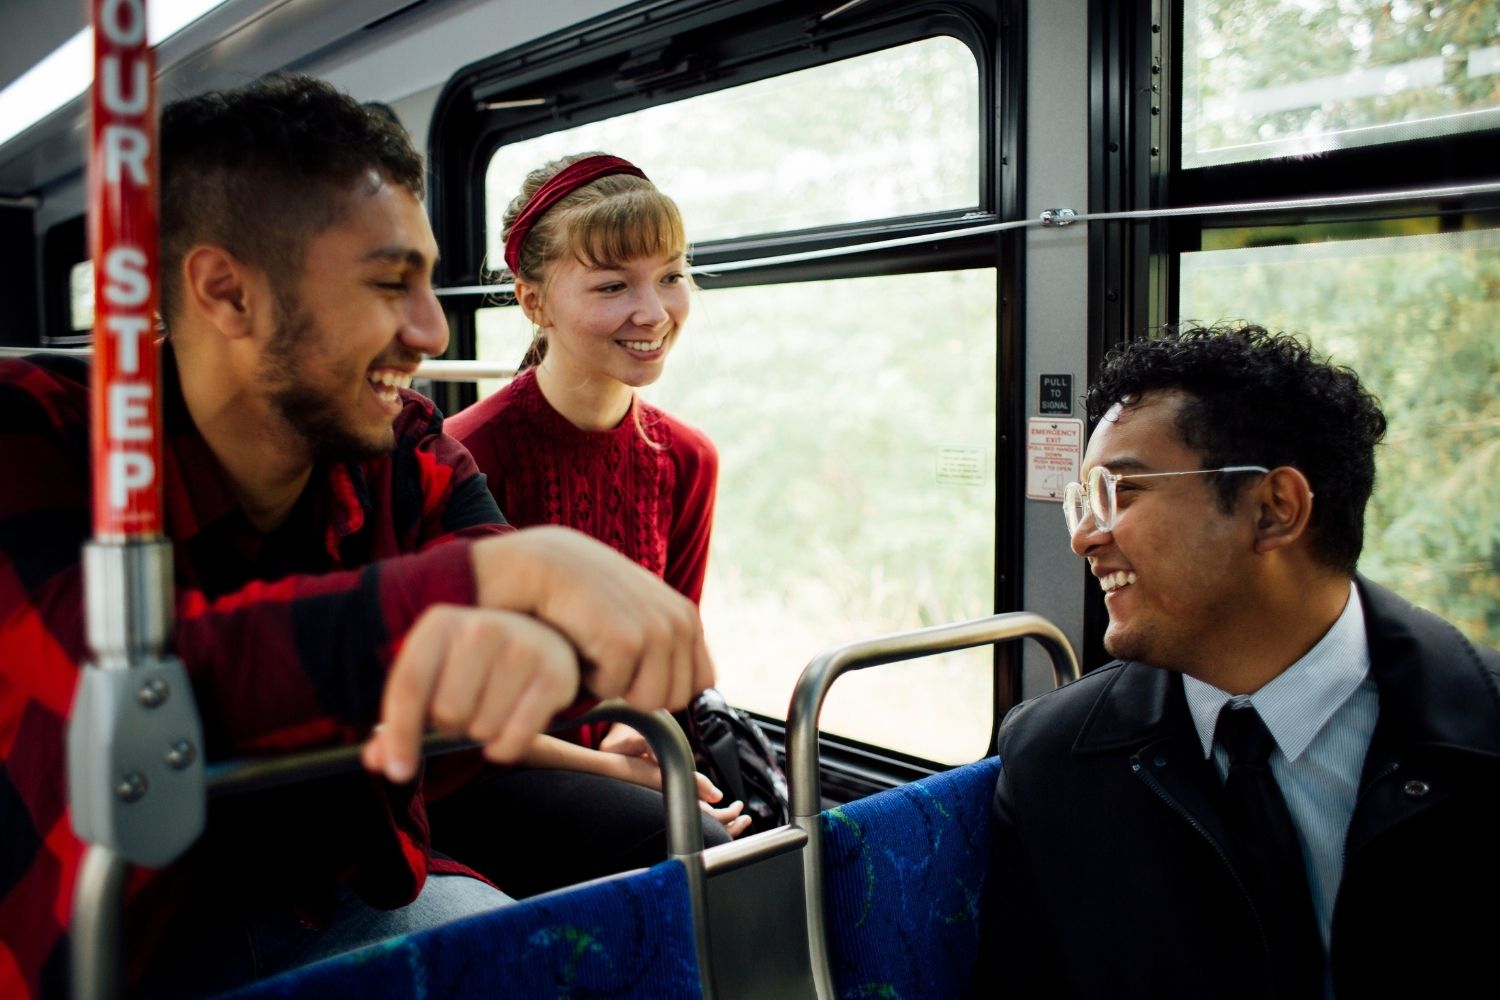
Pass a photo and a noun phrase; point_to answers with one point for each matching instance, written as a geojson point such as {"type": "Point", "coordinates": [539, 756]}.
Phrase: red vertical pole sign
{"type": "Point", "coordinates": [122, 234]}
{"type": "Point", "coordinates": [135, 768]}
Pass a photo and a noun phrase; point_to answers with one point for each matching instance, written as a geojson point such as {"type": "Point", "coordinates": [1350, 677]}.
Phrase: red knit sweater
{"type": "Point", "coordinates": [653, 503]}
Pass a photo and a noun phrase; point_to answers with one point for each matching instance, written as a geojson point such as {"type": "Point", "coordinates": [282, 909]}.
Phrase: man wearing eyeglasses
{"type": "Point", "coordinates": [1288, 783]}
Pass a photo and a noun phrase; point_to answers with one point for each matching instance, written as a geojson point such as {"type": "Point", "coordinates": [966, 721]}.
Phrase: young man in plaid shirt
{"type": "Point", "coordinates": [339, 562]}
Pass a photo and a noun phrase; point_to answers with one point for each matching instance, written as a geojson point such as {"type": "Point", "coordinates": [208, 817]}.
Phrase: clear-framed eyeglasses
{"type": "Point", "coordinates": [1096, 496]}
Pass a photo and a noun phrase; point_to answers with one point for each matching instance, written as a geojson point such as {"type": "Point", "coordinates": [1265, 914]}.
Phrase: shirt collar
{"type": "Point", "coordinates": [1298, 702]}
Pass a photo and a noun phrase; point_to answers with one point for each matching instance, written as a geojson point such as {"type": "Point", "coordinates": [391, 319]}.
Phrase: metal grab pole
{"type": "Point", "coordinates": [807, 704]}
{"type": "Point", "coordinates": [135, 769]}
{"type": "Point", "coordinates": [98, 918]}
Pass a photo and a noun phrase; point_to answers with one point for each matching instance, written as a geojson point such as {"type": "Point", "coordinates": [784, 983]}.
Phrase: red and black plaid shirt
{"type": "Point", "coordinates": [286, 635]}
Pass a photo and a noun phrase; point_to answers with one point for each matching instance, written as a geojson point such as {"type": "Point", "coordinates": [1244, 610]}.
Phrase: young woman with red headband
{"type": "Point", "coordinates": [598, 256]}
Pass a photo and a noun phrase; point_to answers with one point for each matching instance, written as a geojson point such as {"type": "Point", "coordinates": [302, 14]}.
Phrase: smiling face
{"type": "Point", "coordinates": [611, 323]}
{"type": "Point", "coordinates": [1176, 569]}
{"type": "Point", "coordinates": [362, 316]}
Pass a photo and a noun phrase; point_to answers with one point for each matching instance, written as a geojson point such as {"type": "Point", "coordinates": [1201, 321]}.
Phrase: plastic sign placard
{"type": "Point", "coordinates": [126, 417]}
{"type": "Point", "coordinates": [1054, 453]}
{"type": "Point", "coordinates": [1055, 395]}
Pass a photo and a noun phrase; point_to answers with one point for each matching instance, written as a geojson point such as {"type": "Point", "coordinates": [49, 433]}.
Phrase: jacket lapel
{"type": "Point", "coordinates": [1142, 718]}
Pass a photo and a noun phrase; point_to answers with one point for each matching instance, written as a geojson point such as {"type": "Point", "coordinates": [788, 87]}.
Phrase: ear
{"type": "Point", "coordinates": [1284, 502]}
{"type": "Point", "coordinates": [226, 292]}
{"type": "Point", "coordinates": [529, 298]}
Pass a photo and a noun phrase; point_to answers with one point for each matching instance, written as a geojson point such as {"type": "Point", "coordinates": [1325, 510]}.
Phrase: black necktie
{"type": "Point", "coordinates": [1277, 875]}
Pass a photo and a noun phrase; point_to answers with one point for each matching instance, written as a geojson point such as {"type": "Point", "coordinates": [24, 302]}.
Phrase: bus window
{"type": "Point", "coordinates": [877, 136]}
{"type": "Point", "coordinates": [1280, 77]}
{"type": "Point", "coordinates": [855, 416]}
{"type": "Point", "coordinates": [81, 297]}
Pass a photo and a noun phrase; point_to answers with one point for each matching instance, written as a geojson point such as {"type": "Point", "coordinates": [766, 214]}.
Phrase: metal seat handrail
{"type": "Point", "coordinates": [98, 916]}
{"type": "Point", "coordinates": [662, 733]}
{"type": "Point", "coordinates": [807, 704]}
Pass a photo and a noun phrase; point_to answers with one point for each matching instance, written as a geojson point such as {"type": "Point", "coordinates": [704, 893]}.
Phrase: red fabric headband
{"type": "Point", "coordinates": [559, 186]}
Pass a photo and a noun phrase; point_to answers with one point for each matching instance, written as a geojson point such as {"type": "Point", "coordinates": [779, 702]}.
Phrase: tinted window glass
{"type": "Point", "coordinates": [1268, 78]}
{"type": "Point", "coordinates": [886, 134]}
{"type": "Point", "coordinates": [81, 297]}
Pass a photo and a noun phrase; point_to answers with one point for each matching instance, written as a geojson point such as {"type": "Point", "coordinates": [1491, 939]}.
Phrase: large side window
{"type": "Point", "coordinates": [854, 405]}
{"type": "Point", "coordinates": [1285, 77]}
{"type": "Point", "coordinates": [887, 134]}
{"type": "Point", "coordinates": [1389, 97]}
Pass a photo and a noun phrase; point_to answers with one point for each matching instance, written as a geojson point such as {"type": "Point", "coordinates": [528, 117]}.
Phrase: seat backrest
{"type": "Point", "coordinates": [629, 936]}
{"type": "Point", "coordinates": [904, 872]}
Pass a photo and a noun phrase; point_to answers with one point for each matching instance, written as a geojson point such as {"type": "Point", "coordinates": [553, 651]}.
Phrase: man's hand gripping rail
{"type": "Point", "coordinates": [556, 610]}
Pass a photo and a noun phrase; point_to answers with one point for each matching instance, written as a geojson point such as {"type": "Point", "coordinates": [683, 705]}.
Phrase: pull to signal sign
{"type": "Point", "coordinates": [126, 419]}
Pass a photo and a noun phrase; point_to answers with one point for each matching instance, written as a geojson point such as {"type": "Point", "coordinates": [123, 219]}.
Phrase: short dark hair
{"type": "Point", "coordinates": [1260, 398]}
{"type": "Point", "coordinates": [261, 169]}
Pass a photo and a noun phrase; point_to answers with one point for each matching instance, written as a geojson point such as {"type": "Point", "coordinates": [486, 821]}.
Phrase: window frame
{"type": "Point", "coordinates": [1454, 159]}
{"type": "Point", "coordinates": [745, 41]}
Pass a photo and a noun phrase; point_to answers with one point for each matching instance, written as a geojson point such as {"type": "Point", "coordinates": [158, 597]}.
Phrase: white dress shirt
{"type": "Point", "coordinates": [1321, 711]}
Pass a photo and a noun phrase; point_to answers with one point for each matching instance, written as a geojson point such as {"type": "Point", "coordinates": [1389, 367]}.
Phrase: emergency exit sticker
{"type": "Point", "coordinates": [1054, 454]}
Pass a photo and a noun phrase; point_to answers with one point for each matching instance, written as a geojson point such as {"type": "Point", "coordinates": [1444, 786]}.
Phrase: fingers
{"type": "Point", "coordinates": [733, 816]}
{"type": "Point", "coordinates": [547, 691]}
{"type": "Point", "coordinates": [518, 703]}
{"type": "Point", "coordinates": [651, 681]}
{"type": "Point", "coordinates": [704, 674]}
{"type": "Point", "coordinates": [396, 743]}
{"type": "Point", "coordinates": [459, 687]}
{"type": "Point", "coordinates": [707, 790]}
{"type": "Point", "coordinates": [493, 708]}
{"type": "Point", "coordinates": [682, 673]}
{"type": "Point", "coordinates": [492, 676]}
{"type": "Point", "coordinates": [637, 638]}
{"type": "Point", "coordinates": [653, 660]}
{"type": "Point", "coordinates": [723, 813]}
{"type": "Point", "coordinates": [674, 664]}
{"type": "Point", "coordinates": [372, 756]}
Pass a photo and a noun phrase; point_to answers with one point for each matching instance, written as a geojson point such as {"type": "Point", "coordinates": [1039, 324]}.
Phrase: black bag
{"type": "Point", "coordinates": [735, 755]}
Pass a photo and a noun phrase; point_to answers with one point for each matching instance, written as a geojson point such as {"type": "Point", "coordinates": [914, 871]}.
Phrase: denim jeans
{"type": "Point", "coordinates": [271, 941]}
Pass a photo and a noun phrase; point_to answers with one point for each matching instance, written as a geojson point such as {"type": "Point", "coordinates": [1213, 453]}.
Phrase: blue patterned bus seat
{"type": "Point", "coordinates": [629, 937]}
{"type": "Point", "coordinates": [904, 871]}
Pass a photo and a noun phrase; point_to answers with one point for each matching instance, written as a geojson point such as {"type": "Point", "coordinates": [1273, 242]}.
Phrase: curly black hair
{"type": "Point", "coordinates": [261, 169]}
{"type": "Point", "coordinates": [1260, 398]}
